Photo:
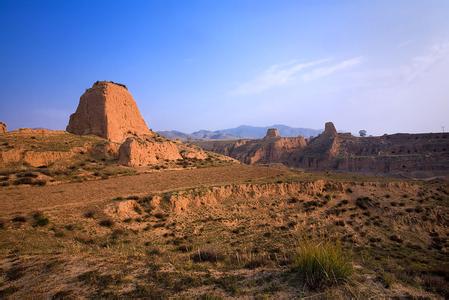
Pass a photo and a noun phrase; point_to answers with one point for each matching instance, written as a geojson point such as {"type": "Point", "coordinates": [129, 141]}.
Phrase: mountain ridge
{"type": "Point", "coordinates": [240, 132]}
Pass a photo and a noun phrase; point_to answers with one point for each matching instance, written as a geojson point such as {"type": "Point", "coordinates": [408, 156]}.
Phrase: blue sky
{"type": "Point", "coordinates": [378, 65]}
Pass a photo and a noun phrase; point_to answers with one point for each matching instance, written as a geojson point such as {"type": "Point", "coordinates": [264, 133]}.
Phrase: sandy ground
{"type": "Point", "coordinates": [22, 199]}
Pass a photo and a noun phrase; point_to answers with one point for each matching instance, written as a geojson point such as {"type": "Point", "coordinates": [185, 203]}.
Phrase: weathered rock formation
{"type": "Point", "coordinates": [270, 149]}
{"type": "Point", "coordinates": [320, 150]}
{"type": "Point", "coordinates": [43, 147]}
{"type": "Point", "coordinates": [108, 110]}
{"type": "Point", "coordinates": [329, 129]}
{"type": "Point", "coordinates": [3, 128]}
{"type": "Point", "coordinates": [149, 150]}
{"type": "Point", "coordinates": [413, 154]}
{"type": "Point", "coordinates": [272, 133]}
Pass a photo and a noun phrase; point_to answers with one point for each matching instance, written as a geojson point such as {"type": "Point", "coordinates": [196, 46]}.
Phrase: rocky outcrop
{"type": "Point", "coordinates": [272, 133]}
{"type": "Point", "coordinates": [43, 147]}
{"type": "Point", "coordinates": [142, 151]}
{"type": "Point", "coordinates": [320, 151]}
{"type": "Point", "coordinates": [267, 150]}
{"type": "Point", "coordinates": [181, 201]}
{"type": "Point", "coordinates": [420, 155]}
{"type": "Point", "coordinates": [107, 110]}
{"type": "Point", "coordinates": [3, 128]}
{"type": "Point", "coordinates": [329, 129]}
{"type": "Point", "coordinates": [149, 150]}
{"type": "Point", "coordinates": [415, 154]}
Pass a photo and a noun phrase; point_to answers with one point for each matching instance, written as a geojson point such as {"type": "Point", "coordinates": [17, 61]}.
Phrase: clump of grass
{"type": "Point", "coordinates": [23, 180]}
{"type": "Point", "coordinates": [39, 182]}
{"type": "Point", "coordinates": [320, 264]}
{"type": "Point", "coordinates": [89, 214]}
{"type": "Point", "coordinates": [40, 220]}
{"type": "Point", "coordinates": [19, 219]}
{"type": "Point", "coordinates": [364, 202]}
{"type": "Point", "coordinates": [206, 256]}
{"type": "Point", "coordinates": [26, 174]}
{"type": "Point", "coordinates": [106, 223]}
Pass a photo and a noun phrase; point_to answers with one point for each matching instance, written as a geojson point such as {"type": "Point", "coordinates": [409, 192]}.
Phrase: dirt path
{"type": "Point", "coordinates": [24, 198]}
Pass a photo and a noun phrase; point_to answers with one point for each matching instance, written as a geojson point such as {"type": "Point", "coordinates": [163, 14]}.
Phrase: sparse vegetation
{"type": "Point", "coordinates": [208, 255]}
{"type": "Point", "coordinates": [106, 223]}
{"type": "Point", "coordinates": [39, 219]}
{"type": "Point", "coordinates": [236, 246]}
{"type": "Point", "coordinates": [89, 214]}
{"type": "Point", "coordinates": [319, 264]}
{"type": "Point", "coordinates": [19, 219]}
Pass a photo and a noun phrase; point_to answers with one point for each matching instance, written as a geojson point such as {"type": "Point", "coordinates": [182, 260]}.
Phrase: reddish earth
{"type": "Point", "coordinates": [223, 232]}
{"type": "Point", "coordinates": [24, 199]}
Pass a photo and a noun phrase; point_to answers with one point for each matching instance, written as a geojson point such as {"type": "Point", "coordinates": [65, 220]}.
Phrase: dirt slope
{"type": "Point", "coordinates": [23, 198]}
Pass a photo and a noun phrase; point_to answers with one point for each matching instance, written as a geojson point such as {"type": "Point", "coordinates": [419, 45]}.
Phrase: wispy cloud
{"type": "Point", "coordinates": [422, 64]}
{"type": "Point", "coordinates": [404, 44]}
{"type": "Point", "coordinates": [275, 76]}
{"type": "Point", "coordinates": [329, 70]}
{"type": "Point", "coordinates": [281, 74]}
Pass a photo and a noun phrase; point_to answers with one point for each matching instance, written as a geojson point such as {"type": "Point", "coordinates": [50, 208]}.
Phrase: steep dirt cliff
{"type": "Point", "coordinates": [3, 128]}
{"type": "Point", "coordinates": [422, 155]}
{"type": "Point", "coordinates": [272, 148]}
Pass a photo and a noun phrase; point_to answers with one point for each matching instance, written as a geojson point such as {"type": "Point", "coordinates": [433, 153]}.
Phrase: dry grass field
{"type": "Point", "coordinates": [226, 232]}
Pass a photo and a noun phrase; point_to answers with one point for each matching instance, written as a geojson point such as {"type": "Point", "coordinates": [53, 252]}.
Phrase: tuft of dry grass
{"type": "Point", "coordinates": [319, 264]}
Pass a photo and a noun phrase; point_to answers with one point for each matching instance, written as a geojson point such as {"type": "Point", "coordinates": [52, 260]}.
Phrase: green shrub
{"type": "Point", "coordinates": [39, 219]}
{"type": "Point", "coordinates": [319, 264]}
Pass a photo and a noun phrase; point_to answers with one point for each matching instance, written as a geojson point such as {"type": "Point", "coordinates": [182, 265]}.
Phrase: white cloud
{"type": "Point", "coordinates": [422, 64]}
{"type": "Point", "coordinates": [274, 76]}
{"type": "Point", "coordinates": [404, 44]}
{"type": "Point", "coordinates": [329, 70]}
{"type": "Point", "coordinates": [281, 74]}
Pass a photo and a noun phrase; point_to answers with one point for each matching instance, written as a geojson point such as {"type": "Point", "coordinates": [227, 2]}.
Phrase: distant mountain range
{"type": "Point", "coordinates": [241, 132]}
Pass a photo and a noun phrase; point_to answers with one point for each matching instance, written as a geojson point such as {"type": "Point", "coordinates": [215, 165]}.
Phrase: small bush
{"type": "Point", "coordinates": [40, 220]}
{"type": "Point", "coordinates": [320, 264]}
{"type": "Point", "coordinates": [89, 214]}
{"type": "Point", "coordinates": [26, 174]}
{"type": "Point", "coordinates": [153, 251]}
{"type": "Point", "coordinates": [69, 227]}
{"type": "Point", "coordinates": [23, 180]}
{"type": "Point", "coordinates": [39, 182]}
{"type": "Point", "coordinates": [106, 223]}
{"type": "Point", "coordinates": [256, 262]}
{"type": "Point", "coordinates": [19, 219]}
{"type": "Point", "coordinates": [206, 256]}
{"type": "Point", "coordinates": [364, 202]}
{"type": "Point", "coordinates": [159, 215]}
